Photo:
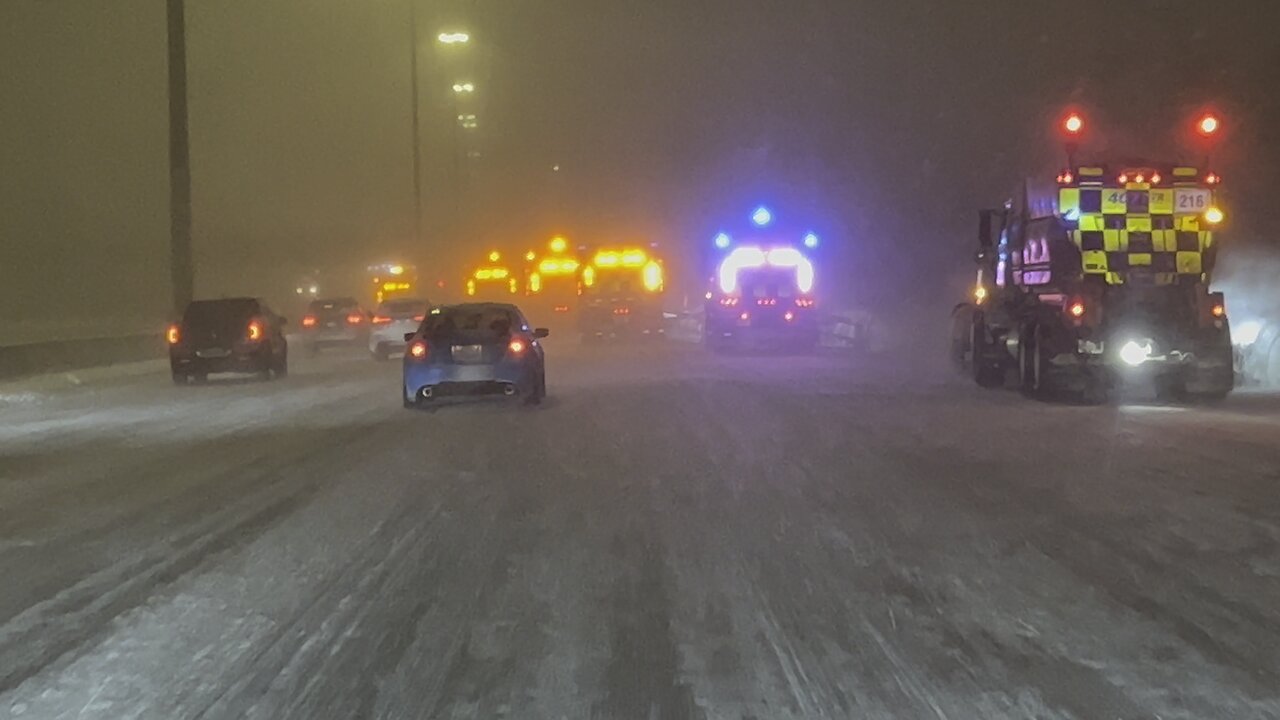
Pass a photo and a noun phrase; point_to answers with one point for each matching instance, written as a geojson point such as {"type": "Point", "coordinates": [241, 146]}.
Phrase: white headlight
{"type": "Point", "coordinates": [1246, 333]}
{"type": "Point", "coordinates": [1135, 354]}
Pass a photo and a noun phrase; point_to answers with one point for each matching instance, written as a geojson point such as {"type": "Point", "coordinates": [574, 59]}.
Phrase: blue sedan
{"type": "Point", "coordinates": [474, 349]}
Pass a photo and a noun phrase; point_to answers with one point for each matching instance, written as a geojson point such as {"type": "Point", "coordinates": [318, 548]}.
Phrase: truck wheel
{"type": "Point", "coordinates": [986, 373]}
{"type": "Point", "coordinates": [1033, 366]}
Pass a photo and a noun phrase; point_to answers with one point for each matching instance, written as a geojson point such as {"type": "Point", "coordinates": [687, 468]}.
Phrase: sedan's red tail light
{"type": "Point", "coordinates": [378, 319]}
{"type": "Point", "coordinates": [309, 321]}
{"type": "Point", "coordinates": [355, 319]}
{"type": "Point", "coordinates": [173, 335]}
{"type": "Point", "coordinates": [517, 346]}
{"type": "Point", "coordinates": [418, 349]}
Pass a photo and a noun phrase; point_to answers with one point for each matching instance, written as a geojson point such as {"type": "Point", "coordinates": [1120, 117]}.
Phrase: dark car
{"type": "Point", "coordinates": [334, 322]}
{"type": "Point", "coordinates": [474, 349]}
{"type": "Point", "coordinates": [230, 335]}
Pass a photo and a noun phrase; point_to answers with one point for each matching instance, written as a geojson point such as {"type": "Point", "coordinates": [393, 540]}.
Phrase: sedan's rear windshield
{"type": "Point", "coordinates": [476, 323]}
{"type": "Point", "coordinates": [206, 313]}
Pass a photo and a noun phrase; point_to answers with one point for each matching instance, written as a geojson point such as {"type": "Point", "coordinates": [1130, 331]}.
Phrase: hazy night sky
{"type": "Point", "coordinates": [889, 123]}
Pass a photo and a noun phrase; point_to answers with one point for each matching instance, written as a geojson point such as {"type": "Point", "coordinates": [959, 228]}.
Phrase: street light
{"type": "Point", "coordinates": [454, 38]}
{"type": "Point", "coordinates": [465, 87]}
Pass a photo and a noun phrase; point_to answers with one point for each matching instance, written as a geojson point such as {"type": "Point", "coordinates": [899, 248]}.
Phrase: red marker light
{"type": "Point", "coordinates": [381, 319]}
{"type": "Point", "coordinates": [355, 319]}
{"type": "Point", "coordinates": [173, 335]}
{"type": "Point", "coordinates": [1073, 124]}
{"type": "Point", "coordinates": [255, 330]}
{"type": "Point", "coordinates": [516, 347]}
{"type": "Point", "coordinates": [1219, 310]}
{"type": "Point", "coordinates": [418, 349]}
{"type": "Point", "coordinates": [1076, 309]}
{"type": "Point", "coordinates": [1124, 178]}
{"type": "Point", "coordinates": [1208, 125]}
{"type": "Point", "coordinates": [1155, 178]}
{"type": "Point", "coordinates": [1212, 179]}
{"type": "Point", "coordinates": [309, 321]}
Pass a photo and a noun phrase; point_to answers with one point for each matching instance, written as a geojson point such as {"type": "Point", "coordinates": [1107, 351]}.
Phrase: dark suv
{"type": "Point", "coordinates": [231, 335]}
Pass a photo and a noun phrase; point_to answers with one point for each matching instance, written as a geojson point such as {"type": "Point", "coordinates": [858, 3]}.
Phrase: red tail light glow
{"type": "Point", "coordinates": [309, 321]}
{"type": "Point", "coordinates": [418, 349]}
{"type": "Point", "coordinates": [255, 331]}
{"type": "Point", "coordinates": [744, 317]}
{"type": "Point", "coordinates": [419, 318]}
{"type": "Point", "coordinates": [1219, 310]}
{"type": "Point", "coordinates": [355, 319]}
{"type": "Point", "coordinates": [1155, 178]}
{"type": "Point", "coordinates": [804, 302]}
{"type": "Point", "coordinates": [1076, 309]}
{"type": "Point", "coordinates": [789, 316]}
{"type": "Point", "coordinates": [622, 311]}
{"type": "Point", "coordinates": [380, 319]}
{"type": "Point", "coordinates": [173, 335]}
{"type": "Point", "coordinates": [728, 301]}
{"type": "Point", "coordinates": [516, 347]}
{"type": "Point", "coordinates": [1212, 179]}
{"type": "Point", "coordinates": [562, 308]}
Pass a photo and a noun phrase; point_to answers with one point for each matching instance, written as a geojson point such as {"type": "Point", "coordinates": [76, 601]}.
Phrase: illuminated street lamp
{"type": "Point", "coordinates": [454, 38]}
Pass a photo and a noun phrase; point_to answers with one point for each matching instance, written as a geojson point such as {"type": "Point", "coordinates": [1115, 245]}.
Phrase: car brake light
{"type": "Point", "coordinates": [1219, 310]}
{"type": "Point", "coordinates": [354, 319]}
{"type": "Point", "coordinates": [255, 330]}
{"type": "Point", "coordinates": [309, 321]}
{"type": "Point", "coordinates": [379, 319]}
{"type": "Point", "coordinates": [419, 318]}
{"type": "Point", "coordinates": [418, 349]}
{"type": "Point", "coordinates": [173, 335]}
{"type": "Point", "coordinates": [516, 347]}
{"type": "Point", "coordinates": [789, 316]}
{"type": "Point", "coordinates": [1076, 309]}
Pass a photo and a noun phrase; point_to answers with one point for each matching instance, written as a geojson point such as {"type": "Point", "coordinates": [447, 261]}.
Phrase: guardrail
{"type": "Point", "coordinates": [63, 355]}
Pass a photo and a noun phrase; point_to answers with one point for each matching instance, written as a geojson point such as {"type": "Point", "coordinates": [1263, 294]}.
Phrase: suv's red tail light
{"type": "Point", "coordinates": [173, 335]}
{"type": "Point", "coordinates": [309, 321]}
{"type": "Point", "coordinates": [418, 349]}
{"type": "Point", "coordinates": [255, 331]}
{"type": "Point", "coordinates": [355, 319]}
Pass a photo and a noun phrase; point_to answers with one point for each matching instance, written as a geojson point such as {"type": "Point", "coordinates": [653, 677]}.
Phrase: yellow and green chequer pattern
{"type": "Point", "coordinates": [1118, 229]}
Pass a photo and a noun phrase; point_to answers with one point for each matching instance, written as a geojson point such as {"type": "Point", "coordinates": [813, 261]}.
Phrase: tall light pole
{"type": "Point", "coordinates": [417, 130]}
{"type": "Point", "coordinates": [181, 267]}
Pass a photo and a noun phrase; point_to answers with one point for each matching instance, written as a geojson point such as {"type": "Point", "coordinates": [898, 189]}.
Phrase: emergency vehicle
{"type": "Point", "coordinates": [493, 281]}
{"type": "Point", "coordinates": [762, 288]}
{"type": "Point", "coordinates": [551, 284]}
{"type": "Point", "coordinates": [391, 280]}
{"type": "Point", "coordinates": [622, 293]}
{"type": "Point", "coordinates": [1100, 276]}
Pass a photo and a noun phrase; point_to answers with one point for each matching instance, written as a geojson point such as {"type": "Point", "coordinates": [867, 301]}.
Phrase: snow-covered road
{"type": "Point", "coordinates": [672, 535]}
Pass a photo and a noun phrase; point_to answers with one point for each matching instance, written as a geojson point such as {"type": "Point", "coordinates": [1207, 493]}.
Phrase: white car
{"type": "Point", "coordinates": [391, 322]}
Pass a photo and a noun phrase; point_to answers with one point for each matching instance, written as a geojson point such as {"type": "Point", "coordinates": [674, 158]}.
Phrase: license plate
{"type": "Point", "coordinates": [468, 353]}
{"type": "Point", "coordinates": [331, 325]}
{"type": "Point", "coordinates": [213, 353]}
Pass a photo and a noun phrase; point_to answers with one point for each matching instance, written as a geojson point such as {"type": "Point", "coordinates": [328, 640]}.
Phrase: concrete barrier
{"type": "Point", "coordinates": [63, 355]}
